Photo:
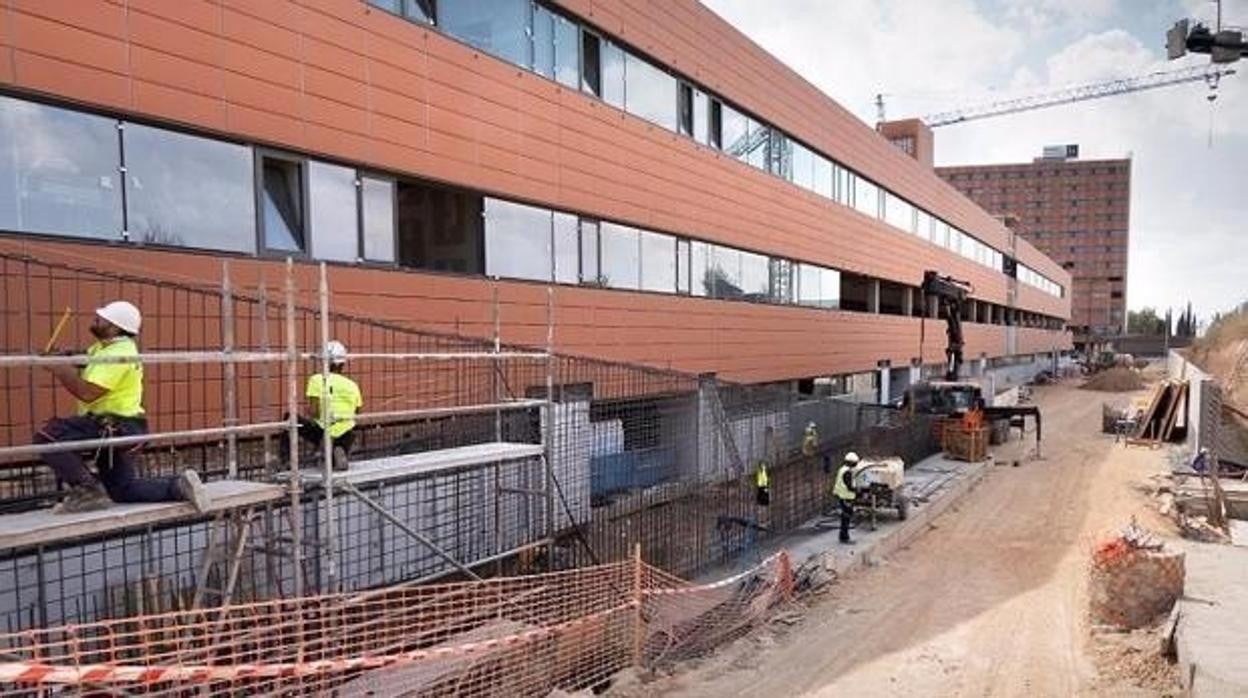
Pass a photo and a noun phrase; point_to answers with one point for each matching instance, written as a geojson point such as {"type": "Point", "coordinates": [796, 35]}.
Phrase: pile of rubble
{"type": "Point", "coordinates": [1135, 579]}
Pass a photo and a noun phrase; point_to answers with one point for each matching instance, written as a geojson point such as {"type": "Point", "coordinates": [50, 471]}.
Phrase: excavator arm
{"type": "Point", "coordinates": [951, 295]}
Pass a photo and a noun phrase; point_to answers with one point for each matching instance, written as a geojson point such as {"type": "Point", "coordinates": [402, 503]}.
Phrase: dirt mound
{"type": "Point", "coordinates": [1115, 380]}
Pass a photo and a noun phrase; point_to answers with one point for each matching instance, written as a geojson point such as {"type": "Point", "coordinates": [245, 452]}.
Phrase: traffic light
{"type": "Point", "coordinates": [1176, 40]}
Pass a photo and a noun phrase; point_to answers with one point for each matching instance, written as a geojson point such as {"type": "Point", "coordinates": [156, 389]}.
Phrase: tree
{"type": "Point", "coordinates": [1145, 322]}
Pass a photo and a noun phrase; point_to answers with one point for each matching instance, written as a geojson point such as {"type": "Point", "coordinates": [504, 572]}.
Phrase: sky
{"type": "Point", "coordinates": [1189, 197]}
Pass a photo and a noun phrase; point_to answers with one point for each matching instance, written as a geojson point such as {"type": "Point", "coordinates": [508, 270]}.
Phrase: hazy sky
{"type": "Point", "coordinates": [1189, 199]}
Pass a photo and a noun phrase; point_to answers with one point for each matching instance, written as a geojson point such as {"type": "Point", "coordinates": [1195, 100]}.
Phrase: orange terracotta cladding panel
{"type": "Point", "coordinates": [342, 79]}
{"type": "Point", "coordinates": [741, 341]}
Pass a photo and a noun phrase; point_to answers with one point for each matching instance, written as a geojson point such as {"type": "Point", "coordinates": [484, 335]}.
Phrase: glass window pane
{"type": "Point", "coordinates": [189, 191]}
{"type": "Point", "coordinates": [498, 27]}
{"type": "Point", "coordinates": [830, 284]}
{"type": "Point", "coordinates": [782, 279]}
{"type": "Point", "coordinates": [517, 240]}
{"type": "Point", "coordinates": [439, 228]}
{"type": "Point", "coordinates": [58, 171]}
{"type": "Point", "coordinates": [393, 6]}
{"type": "Point", "coordinates": [755, 276]}
{"type": "Point", "coordinates": [682, 265]}
{"type": "Point", "coordinates": [780, 155]}
{"type": "Point", "coordinates": [613, 74]}
{"type": "Point", "coordinates": [283, 205]}
{"type": "Point", "coordinates": [658, 262]}
{"type": "Point", "coordinates": [701, 116]}
{"type": "Point", "coordinates": [567, 254]}
{"type": "Point", "coordinates": [757, 144]}
{"type": "Point", "coordinates": [923, 225]}
{"type": "Point", "coordinates": [803, 167]}
{"type": "Point", "coordinates": [418, 10]}
{"type": "Point", "coordinates": [589, 253]}
{"type": "Point", "coordinates": [334, 216]}
{"type": "Point", "coordinates": [621, 260]}
{"type": "Point", "coordinates": [543, 41]}
{"type": "Point", "coordinates": [898, 212]}
{"type": "Point", "coordinates": [650, 92]}
{"type": "Point", "coordinates": [684, 103]}
{"type": "Point", "coordinates": [808, 288]}
{"type": "Point", "coordinates": [378, 219]}
{"type": "Point", "coordinates": [822, 176]}
{"type": "Point", "coordinates": [844, 186]}
{"type": "Point", "coordinates": [866, 197]}
{"type": "Point", "coordinates": [724, 272]}
{"type": "Point", "coordinates": [700, 276]}
{"type": "Point", "coordinates": [734, 129]}
{"type": "Point", "coordinates": [591, 66]}
{"type": "Point", "coordinates": [567, 52]}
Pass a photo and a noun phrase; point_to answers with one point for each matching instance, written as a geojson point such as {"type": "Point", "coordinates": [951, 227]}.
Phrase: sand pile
{"type": "Point", "coordinates": [1115, 380]}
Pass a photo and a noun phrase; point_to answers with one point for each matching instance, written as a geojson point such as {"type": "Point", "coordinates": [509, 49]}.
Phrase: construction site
{"type": "Point", "coordinates": [565, 348]}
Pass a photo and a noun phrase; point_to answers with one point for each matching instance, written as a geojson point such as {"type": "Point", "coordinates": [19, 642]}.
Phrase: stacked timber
{"type": "Point", "coordinates": [1167, 404]}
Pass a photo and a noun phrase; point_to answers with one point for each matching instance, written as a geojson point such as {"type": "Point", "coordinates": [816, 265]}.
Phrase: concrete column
{"type": "Point", "coordinates": [884, 369]}
{"type": "Point", "coordinates": [873, 296]}
{"type": "Point", "coordinates": [907, 302]}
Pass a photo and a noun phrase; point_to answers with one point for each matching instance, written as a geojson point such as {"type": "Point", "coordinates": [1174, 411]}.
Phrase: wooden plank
{"type": "Point", "coordinates": [1153, 403]}
{"type": "Point", "coordinates": [429, 461]}
{"type": "Point", "coordinates": [1166, 424]}
{"type": "Point", "coordinates": [43, 527]}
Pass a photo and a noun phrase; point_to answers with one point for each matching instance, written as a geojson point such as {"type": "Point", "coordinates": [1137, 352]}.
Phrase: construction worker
{"type": "Point", "coordinates": [974, 417]}
{"type": "Point", "coordinates": [344, 398]}
{"type": "Point", "coordinates": [762, 485]}
{"type": "Point", "coordinates": [810, 440]}
{"type": "Point", "coordinates": [843, 490]}
{"type": "Point", "coordinates": [110, 403]}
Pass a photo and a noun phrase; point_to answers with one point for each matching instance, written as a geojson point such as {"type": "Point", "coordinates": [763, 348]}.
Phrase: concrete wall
{"type": "Point", "coordinates": [1179, 368]}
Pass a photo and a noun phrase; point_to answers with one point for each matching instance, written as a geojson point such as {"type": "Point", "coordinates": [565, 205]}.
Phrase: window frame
{"type": "Point", "coordinates": [259, 155]}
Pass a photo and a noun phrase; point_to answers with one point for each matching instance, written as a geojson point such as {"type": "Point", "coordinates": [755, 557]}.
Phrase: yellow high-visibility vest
{"type": "Point", "coordinates": [839, 488]}
{"type": "Point", "coordinates": [760, 478]}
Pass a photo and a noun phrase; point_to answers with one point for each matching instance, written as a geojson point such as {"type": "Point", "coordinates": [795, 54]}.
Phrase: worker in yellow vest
{"type": "Point", "coordinates": [110, 404]}
{"type": "Point", "coordinates": [341, 397]}
{"type": "Point", "coordinates": [843, 490]}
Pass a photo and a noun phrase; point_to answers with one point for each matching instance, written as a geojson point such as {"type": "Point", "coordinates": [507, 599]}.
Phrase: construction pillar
{"type": "Point", "coordinates": [873, 296]}
{"type": "Point", "coordinates": [884, 369]}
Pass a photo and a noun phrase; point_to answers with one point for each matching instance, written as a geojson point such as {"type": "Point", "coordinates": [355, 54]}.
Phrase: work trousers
{"type": "Point", "coordinates": [847, 515]}
{"type": "Point", "coordinates": [115, 466]}
{"type": "Point", "coordinates": [312, 433]}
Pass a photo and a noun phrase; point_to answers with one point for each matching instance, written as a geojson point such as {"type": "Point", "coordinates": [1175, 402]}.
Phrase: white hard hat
{"type": "Point", "coordinates": [121, 314]}
{"type": "Point", "coordinates": [337, 352]}
{"type": "Point", "coordinates": [851, 457]}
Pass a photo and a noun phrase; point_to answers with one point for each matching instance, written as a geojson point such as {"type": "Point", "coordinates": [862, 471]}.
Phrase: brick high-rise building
{"type": "Point", "coordinates": [1075, 211]}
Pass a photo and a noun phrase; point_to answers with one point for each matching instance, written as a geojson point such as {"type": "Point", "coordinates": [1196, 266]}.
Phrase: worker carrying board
{"type": "Point", "coordinates": [843, 490]}
{"type": "Point", "coordinates": [110, 404]}
{"type": "Point", "coordinates": [341, 397]}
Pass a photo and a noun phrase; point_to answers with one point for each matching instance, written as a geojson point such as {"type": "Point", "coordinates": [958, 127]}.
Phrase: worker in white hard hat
{"type": "Point", "coordinates": [341, 397]}
{"type": "Point", "coordinates": [843, 490]}
{"type": "Point", "coordinates": [110, 404]}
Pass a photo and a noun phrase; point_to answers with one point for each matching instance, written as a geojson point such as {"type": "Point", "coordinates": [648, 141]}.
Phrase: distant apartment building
{"type": "Point", "coordinates": [1077, 212]}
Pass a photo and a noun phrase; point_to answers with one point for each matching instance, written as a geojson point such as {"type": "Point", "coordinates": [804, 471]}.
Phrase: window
{"type": "Point", "coordinates": [658, 262]}
{"type": "Point", "coordinates": [543, 41]}
{"type": "Point", "coordinates": [715, 133]}
{"type": "Point", "coordinates": [724, 272]}
{"type": "Point", "coordinates": [756, 144]}
{"type": "Point", "coordinates": [844, 185]}
{"type": "Point", "coordinates": [650, 92]}
{"type": "Point", "coordinates": [685, 108]}
{"type": "Point", "coordinates": [701, 117]}
{"type": "Point", "coordinates": [823, 177]}
{"type": "Point", "coordinates": [517, 241]}
{"type": "Point", "coordinates": [567, 52]}
{"type": "Point", "coordinates": [734, 131]}
{"type": "Point", "coordinates": [803, 167]}
{"type": "Point", "coordinates": [498, 27]}
{"type": "Point", "coordinates": [60, 171]}
{"type": "Point", "coordinates": [189, 191]}
{"type": "Point", "coordinates": [334, 212]}
{"type": "Point", "coordinates": [282, 219]}
{"type": "Point", "coordinates": [613, 76]}
{"type": "Point", "coordinates": [439, 229]}
{"type": "Point", "coordinates": [923, 224]}
{"type": "Point", "coordinates": [566, 248]}
{"type": "Point", "coordinates": [589, 253]}
{"type": "Point", "coordinates": [809, 289]}
{"type": "Point", "coordinates": [620, 256]}
{"type": "Point", "coordinates": [419, 10]}
{"type": "Point", "coordinates": [682, 265]}
{"type": "Point", "coordinates": [755, 276]}
{"type": "Point", "coordinates": [591, 64]}
{"type": "Point", "coordinates": [866, 197]}
{"type": "Point", "coordinates": [377, 199]}
{"type": "Point", "coordinates": [780, 154]}
{"type": "Point", "coordinates": [898, 213]}
{"type": "Point", "coordinates": [782, 281]}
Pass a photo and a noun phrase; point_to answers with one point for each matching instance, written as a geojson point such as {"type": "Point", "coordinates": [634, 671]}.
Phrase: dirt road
{"type": "Point", "coordinates": [990, 602]}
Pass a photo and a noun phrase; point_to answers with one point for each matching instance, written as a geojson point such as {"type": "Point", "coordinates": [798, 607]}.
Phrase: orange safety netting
{"type": "Point", "coordinates": [509, 636]}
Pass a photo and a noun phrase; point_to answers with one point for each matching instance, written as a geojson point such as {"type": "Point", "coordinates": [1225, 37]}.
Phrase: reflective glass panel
{"type": "Point", "coordinates": [724, 272]}
{"type": "Point", "coordinates": [567, 52]}
{"type": "Point", "coordinates": [700, 274]}
{"type": "Point", "coordinates": [334, 213]}
{"type": "Point", "coordinates": [803, 167]}
{"type": "Point", "coordinates": [589, 253]}
{"type": "Point", "coordinates": [613, 62]}
{"type": "Point", "coordinates": [823, 177]}
{"type": "Point", "coordinates": [866, 197]}
{"type": "Point", "coordinates": [658, 262]}
{"type": "Point", "coordinates": [567, 253]}
{"type": "Point", "coordinates": [517, 240]}
{"type": "Point", "coordinates": [378, 197]}
{"type": "Point", "coordinates": [701, 117]}
{"type": "Point", "coordinates": [621, 256]}
{"type": "Point", "coordinates": [734, 129]}
{"type": "Point", "coordinates": [498, 27]}
{"type": "Point", "coordinates": [543, 41]}
{"type": "Point", "coordinates": [650, 92]}
{"type": "Point", "coordinates": [755, 276]}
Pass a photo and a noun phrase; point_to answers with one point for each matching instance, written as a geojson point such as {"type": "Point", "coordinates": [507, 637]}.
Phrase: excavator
{"type": "Point", "coordinates": [952, 397]}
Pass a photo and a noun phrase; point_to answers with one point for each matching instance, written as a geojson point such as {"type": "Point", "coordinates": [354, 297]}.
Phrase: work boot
{"type": "Point", "coordinates": [82, 499]}
{"type": "Point", "coordinates": [847, 541]}
{"type": "Point", "coordinates": [339, 459]}
{"type": "Point", "coordinates": [191, 489]}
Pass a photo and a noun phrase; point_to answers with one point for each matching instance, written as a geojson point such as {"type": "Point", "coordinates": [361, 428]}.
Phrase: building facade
{"type": "Point", "coordinates": [696, 205]}
{"type": "Point", "coordinates": [1075, 211]}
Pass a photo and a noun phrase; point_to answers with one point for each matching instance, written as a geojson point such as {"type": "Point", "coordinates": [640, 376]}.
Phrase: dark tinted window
{"type": "Point", "coordinates": [191, 191]}
{"type": "Point", "coordinates": [282, 204]}
{"type": "Point", "coordinates": [439, 229]}
{"type": "Point", "coordinates": [59, 171]}
{"type": "Point", "coordinates": [591, 64]}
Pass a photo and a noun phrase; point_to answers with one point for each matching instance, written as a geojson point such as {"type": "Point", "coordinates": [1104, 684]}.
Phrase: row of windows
{"type": "Point", "coordinates": [1035, 279]}
{"type": "Point", "coordinates": [1033, 173]}
{"type": "Point", "coordinates": [533, 37]}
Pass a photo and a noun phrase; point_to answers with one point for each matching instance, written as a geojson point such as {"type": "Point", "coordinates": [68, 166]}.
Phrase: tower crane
{"type": "Point", "coordinates": [1211, 75]}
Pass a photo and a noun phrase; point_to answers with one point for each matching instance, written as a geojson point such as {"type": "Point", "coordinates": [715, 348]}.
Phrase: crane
{"type": "Point", "coordinates": [1210, 74]}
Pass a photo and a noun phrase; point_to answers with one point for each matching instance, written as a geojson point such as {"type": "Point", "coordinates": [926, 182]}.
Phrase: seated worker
{"type": "Point", "coordinates": [344, 399]}
{"type": "Point", "coordinates": [110, 403]}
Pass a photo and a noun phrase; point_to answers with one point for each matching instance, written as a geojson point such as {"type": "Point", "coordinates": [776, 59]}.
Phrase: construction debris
{"type": "Point", "coordinates": [1134, 579]}
{"type": "Point", "coordinates": [1167, 407]}
{"type": "Point", "coordinates": [1115, 380]}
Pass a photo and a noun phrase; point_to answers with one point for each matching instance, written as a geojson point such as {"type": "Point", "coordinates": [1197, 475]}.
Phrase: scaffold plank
{"type": "Point", "coordinates": [43, 527]}
{"type": "Point", "coordinates": [394, 467]}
